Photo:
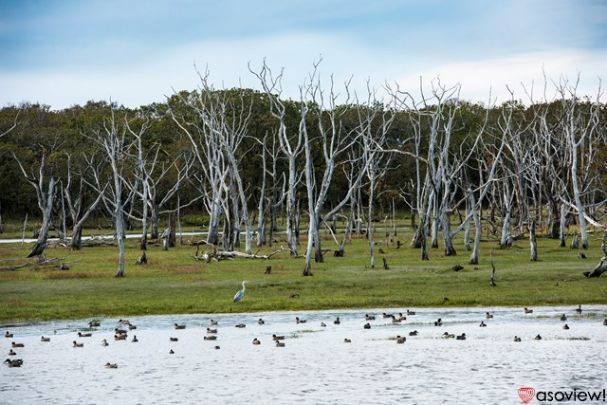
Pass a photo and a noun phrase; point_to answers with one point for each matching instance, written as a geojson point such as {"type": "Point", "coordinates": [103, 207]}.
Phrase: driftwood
{"type": "Point", "coordinates": [38, 262]}
{"type": "Point", "coordinates": [218, 255]}
{"type": "Point", "coordinates": [598, 270]}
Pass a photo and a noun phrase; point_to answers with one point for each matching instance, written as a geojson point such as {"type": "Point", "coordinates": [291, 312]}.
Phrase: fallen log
{"type": "Point", "coordinates": [598, 270]}
{"type": "Point", "coordinates": [218, 255]}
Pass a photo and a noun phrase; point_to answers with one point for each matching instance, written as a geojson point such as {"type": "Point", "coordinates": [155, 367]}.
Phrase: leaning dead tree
{"type": "Point", "coordinates": [45, 193]}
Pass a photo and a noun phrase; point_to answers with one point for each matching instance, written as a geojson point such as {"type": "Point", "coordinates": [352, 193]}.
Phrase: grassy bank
{"type": "Point", "coordinates": [173, 282]}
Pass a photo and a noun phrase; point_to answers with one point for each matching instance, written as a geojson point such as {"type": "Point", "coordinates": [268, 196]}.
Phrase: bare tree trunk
{"type": "Point", "coordinates": [562, 226]}
{"type": "Point", "coordinates": [533, 241]}
{"type": "Point", "coordinates": [370, 221]}
{"type": "Point", "coordinates": [477, 228]}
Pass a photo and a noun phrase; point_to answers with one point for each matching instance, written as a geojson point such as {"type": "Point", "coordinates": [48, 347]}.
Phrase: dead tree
{"type": "Point", "coordinates": [45, 194]}
{"type": "Point", "coordinates": [598, 270]}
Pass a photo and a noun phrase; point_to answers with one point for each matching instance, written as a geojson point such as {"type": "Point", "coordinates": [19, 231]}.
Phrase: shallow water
{"type": "Point", "coordinates": [316, 366]}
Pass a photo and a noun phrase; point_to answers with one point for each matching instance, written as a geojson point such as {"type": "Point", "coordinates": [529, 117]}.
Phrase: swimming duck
{"type": "Point", "coordinates": [578, 309]}
{"type": "Point", "coordinates": [260, 321]}
{"type": "Point", "coordinates": [527, 310]}
{"type": "Point", "coordinates": [212, 337]}
{"type": "Point", "coordinates": [14, 344]}
{"type": "Point", "coordinates": [488, 315]}
{"type": "Point", "coordinates": [80, 334]}
{"type": "Point", "coordinates": [461, 337]}
{"type": "Point", "coordinates": [123, 321]}
{"type": "Point", "coordinates": [278, 337]}
{"type": "Point", "coordinates": [280, 344]}
{"type": "Point", "coordinates": [104, 343]}
{"type": "Point", "coordinates": [120, 336]}
{"type": "Point", "coordinates": [346, 340]}
{"type": "Point", "coordinates": [256, 341]}
{"type": "Point", "coordinates": [517, 339]}
{"type": "Point", "coordinates": [131, 326]}
{"type": "Point", "coordinates": [94, 324]}
{"type": "Point", "coordinates": [171, 351]}
{"type": "Point", "coordinates": [563, 317]}
{"type": "Point", "coordinates": [538, 337]}
{"type": "Point", "coordinates": [410, 312]}
{"type": "Point", "coordinates": [367, 326]}
{"type": "Point", "coordinates": [7, 334]}
{"type": "Point", "coordinates": [76, 344]}
{"type": "Point", "coordinates": [135, 340]}
{"type": "Point", "coordinates": [448, 335]}
{"type": "Point", "coordinates": [385, 315]}
{"type": "Point", "coordinates": [605, 322]}
{"type": "Point", "coordinates": [13, 363]}
{"type": "Point", "coordinates": [438, 322]}
{"type": "Point", "coordinates": [369, 317]}
{"type": "Point", "coordinates": [566, 327]}
{"type": "Point", "coordinates": [111, 365]}
{"type": "Point", "coordinates": [213, 322]}
{"type": "Point", "coordinates": [11, 352]}
{"type": "Point", "coordinates": [45, 339]}
{"type": "Point", "coordinates": [483, 324]}
{"type": "Point", "coordinates": [297, 320]}
{"type": "Point", "coordinates": [120, 331]}
{"type": "Point", "coordinates": [209, 330]}
{"type": "Point", "coordinates": [177, 326]}
{"type": "Point", "coordinates": [400, 339]}
{"type": "Point", "coordinates": [337, 321]}
{"type": "Point", "coordinates": [217, 347]}
{"type": "Point", "coordinates": [413, 333]}
{"type": "Point", "coordinates": [173, 339]}
{"type": "Point", "coordinates": [241, 325]}
{"type": "Point", "coordinates": [322, 324]}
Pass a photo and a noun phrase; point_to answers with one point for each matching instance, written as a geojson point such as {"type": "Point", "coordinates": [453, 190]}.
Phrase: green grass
{"type": "Point", "coordinates": [173, 282]}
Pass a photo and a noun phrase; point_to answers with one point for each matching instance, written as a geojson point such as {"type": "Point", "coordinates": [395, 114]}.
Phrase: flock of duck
{"type": "Point", "coordinates": [125, 326]}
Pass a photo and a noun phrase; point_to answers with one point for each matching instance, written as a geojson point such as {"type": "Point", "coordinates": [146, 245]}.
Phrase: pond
{"type": "Point", "coordinates": [316, 365]}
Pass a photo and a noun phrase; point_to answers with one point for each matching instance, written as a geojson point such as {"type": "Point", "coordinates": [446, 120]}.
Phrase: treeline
{"type": "Point", "coordinates": [244, 157]}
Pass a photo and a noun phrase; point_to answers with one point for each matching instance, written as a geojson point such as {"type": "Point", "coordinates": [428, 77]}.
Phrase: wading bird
{"type": "Point", "coordinates": [240, 294]}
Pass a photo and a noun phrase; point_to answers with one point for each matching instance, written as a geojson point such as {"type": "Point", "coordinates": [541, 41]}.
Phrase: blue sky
{"type": "Point", "coordinates": [136, 52]}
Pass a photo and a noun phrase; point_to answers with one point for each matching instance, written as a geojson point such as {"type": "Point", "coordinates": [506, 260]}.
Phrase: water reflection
{"type": "Point", "coordinates": [315, 366]}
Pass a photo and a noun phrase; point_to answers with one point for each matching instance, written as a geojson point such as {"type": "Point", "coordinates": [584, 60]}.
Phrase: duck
{"type": "Point", "coordinates": [483, 324]}
{"type": "Point", "coordinates": [578, 309]}
{"type": "Point", "coordinates": [135, 340]}
{"type": "Point", "coordinates": [488, 315]}
{"type": "Point", "coordinates": [13, 363]}
{"type": "Point", "coordinates": [297, 320]}
{"type": "Point", "coordinates": [605, 322]}
{"type": "Point", "coordinates": [11, 352]}
{"type": "Point", "coordinates": [276, 338]}
{"type": "Point", "coordinates": [367, 326]}
{"type": "Point", "coordinates": [123, 321]}
{"type": "Point", "coordinates": [104, 343]}
{"type": "Point", "coordinates": [337, 321]}
{"type": "Point", "coordinates": [566, 327]}
{"type": "Point", "coordinates": [111, 365]}
{"type": "Point", "coordinates": [120, 336]}
{"type": "Point", "coordinates": [461, 337]}
{"type": "Point", "coordinates": [400, 339]}
{"type": "Point", "coordinates": [76, 344]}
{"type": "Point", "coordinates": [177, 326]}
{"type": "Point", "coordinates": [538, 337]}
{"type": "Point", "coordinates": [410, 312]}
{"type": "Point", "coordinates": [213, 322]}
{"type": "Point", "coordinates": [212, 337]}
{"type": "Point", "coordinates": [45, 339]}
{"type": "Point", "coordinates": [346, 340]}
{"type": "Point", "coordinates": [563, 317]}
{"type": "Point", "coordinates": [94, 324]}
{"type": "Point", "coordinates": [171, 351]}
{"type": "Point", "coordinates": [15, 344]}
{"type": "Point", "coordinates": [256, 341]}
{"type": "Point", "coordinates": [280, 344]}
{"type": "Point", "coordinates": [413, 333]}
{"type": "Point", "coordinates": [517, 339]}
{"type": "Point", "coordinates": [80, 334]}
{"type": "Point", "coordinates": [261, 321]}
{"type": "Point", "coordinates": [385, 315]}
{"type": "Point", "coordinates": [131, 326]}
{"type": "Point", "coordinates": [241, 325]}
{"type": "Point", "coordinates": [173, 339]}
{"type": "Point", "coordinates": [7, 334]}
{"type": "Point", "coordinates": [209, 330]}
{"type": "Point", "coordinates": [438, 322]}
{"type": "Point", "coordinates": [323, 325]}
{"type": "Point", "coordinates": [448, 335]}
{"type": "Point", "coordinates": [217, 347]}
{"type": "Point", "coordinates": [120, 331]}
{"type": "Point", "coordinates": [369, 317]}
{"type": "Point", "coordinates": [527, 310]}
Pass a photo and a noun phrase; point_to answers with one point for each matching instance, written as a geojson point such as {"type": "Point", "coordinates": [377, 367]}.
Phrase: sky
{"type": "Point", "coordinates": [137, 52]}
